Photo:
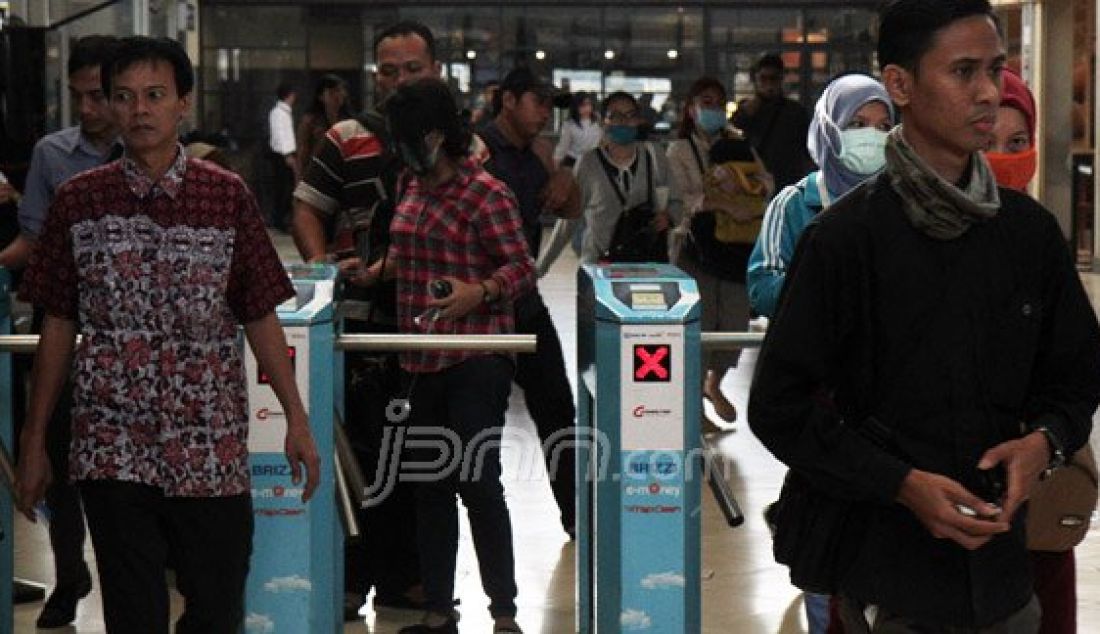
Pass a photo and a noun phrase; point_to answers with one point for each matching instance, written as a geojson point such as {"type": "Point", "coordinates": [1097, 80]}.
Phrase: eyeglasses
{"type": "Point", "coordinates": [621, 117]}
{"type": "Point", "coordinates": [393, 70]}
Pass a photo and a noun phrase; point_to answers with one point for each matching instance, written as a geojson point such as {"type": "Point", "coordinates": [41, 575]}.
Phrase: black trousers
{"type": "Point", "coordinates": [136, 530]}
{"type": "Point", "coordinates": [384, 557]}
{"type": "Point", "coordinates": [66, 523]}
{"type": "Point", "coordinates": [282, 191]}
{"type": "Point", "coordinates": [466, 402]}
{"type": "Point", "coordinates": [549, 400]}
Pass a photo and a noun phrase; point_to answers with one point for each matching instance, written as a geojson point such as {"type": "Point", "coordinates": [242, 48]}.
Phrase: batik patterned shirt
{"type": "Point", "coordinates": [158, 275]}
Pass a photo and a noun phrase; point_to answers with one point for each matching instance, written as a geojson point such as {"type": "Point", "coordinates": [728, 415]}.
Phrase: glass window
{"type": "Point", "coordinates": [753, 26]}
{"type": "Point", "coordinates": [247, 26]}
{"type": "Point", "coordinates": [547, 37]}
{"type": "Point", "coordinates": [841, 26]}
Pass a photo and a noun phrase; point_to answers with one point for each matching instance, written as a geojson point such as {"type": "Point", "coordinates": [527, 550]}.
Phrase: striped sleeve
{"type": "Point", "coordinates": [767, 269]}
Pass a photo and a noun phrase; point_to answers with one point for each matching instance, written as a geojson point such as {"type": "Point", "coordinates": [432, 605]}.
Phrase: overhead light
{"type": "Point", "coordinates": [540, 54]}
{"type": "Point", "coordinates": [673, 53]}
{"type": "Point", "coordinates": [471, 54]}
{"type": "Point", "coordinates": [609, 54]}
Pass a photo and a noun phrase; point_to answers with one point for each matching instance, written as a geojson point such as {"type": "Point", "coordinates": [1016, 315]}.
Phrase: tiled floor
{"type": "Point", "coordinates": [744, 591]}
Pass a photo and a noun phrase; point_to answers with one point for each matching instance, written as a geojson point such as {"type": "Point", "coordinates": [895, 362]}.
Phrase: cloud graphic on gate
{"type": "Point", "coordinates": [259, 623]}
{"type": "Point", "coordinates": [635, 620]}
{"type": "Point", "coordinates": [663, 581]}
{"type": "Point", "coordinates": [288, 584]}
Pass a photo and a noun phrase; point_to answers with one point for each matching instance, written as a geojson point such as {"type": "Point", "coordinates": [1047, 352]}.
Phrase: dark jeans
{"type": "Point", "coordinates": [384, 557]}
{"type": "Point", "coordinates": [66, 525]}
{"type": "Point", "coordinates": [135, 531]}
{"type": "Point", "coordinates": [468, 399]}
{"type": "Point", "coordinates": [282, 190]}
{"type": "Point", "coordinates": [549, 400]}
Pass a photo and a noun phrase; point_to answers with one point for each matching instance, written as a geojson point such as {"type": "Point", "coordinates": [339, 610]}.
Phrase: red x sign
{"type": "Point", "coordinates": [653, 363]}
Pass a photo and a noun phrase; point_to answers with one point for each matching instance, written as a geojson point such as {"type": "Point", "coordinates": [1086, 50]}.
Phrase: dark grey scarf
{"type": "Point", "coordinates": [937, 208]}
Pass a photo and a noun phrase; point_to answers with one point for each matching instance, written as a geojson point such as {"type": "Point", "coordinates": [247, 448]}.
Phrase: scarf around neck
{"type": "Point", "coordinates": [935, 207]}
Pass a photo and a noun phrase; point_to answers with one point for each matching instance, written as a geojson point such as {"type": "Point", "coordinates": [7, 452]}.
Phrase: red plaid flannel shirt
{"type": "Point", "coordinates": [468, 228]}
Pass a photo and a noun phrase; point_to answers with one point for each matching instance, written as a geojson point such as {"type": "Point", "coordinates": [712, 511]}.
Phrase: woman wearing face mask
{"type": "Point", "coordinates": [847, 139]}
{"type": "Point", "coordinates": [1012, 157]}
{"type": "Point", "coordinates": [704, 133]}
{"type": "Point", "coordinates": [458, 224]}
{"type": "Point", "coordinates": [580, 132]}
{"type": "Point", "coordinates": [621, 174]}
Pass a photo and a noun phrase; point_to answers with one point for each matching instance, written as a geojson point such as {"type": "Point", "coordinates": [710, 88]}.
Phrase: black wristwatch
{"type": "Point", "coordinates": [486, 298]}
{"type": "Point", "coordinates": [1057, 450]}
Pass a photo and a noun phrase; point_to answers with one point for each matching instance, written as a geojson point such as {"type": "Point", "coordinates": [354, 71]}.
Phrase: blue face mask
{"type": "Point", "coordinates": [863, 150]}
{"type": "Point", "coordinates": [710, 121]}
{"type": "Point", "coordinates": [622, 134]}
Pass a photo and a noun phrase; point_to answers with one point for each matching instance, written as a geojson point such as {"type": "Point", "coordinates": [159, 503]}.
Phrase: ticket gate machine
{"type": "Point", "coordinates": [296, 579]}
{"type": "Point", "coordinates": [638, 557]}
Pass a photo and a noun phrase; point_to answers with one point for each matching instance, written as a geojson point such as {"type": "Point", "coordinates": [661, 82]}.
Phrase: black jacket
{"type": "Point", "coordinates": [952, 345]}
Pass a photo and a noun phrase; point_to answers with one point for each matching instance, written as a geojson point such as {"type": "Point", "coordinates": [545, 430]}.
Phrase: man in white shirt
{"type": "Point", "coordinates": [284, 163]}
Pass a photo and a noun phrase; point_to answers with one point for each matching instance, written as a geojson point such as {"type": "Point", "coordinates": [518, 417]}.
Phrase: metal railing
{"type": "Point", "coordinates": [27, 344]}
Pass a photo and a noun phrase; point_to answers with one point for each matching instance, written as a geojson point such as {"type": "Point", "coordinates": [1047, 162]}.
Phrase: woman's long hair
{"type": "Point", "coordinates": [575, 107]}
{"type": "Point", "coordinates": [328, 81]}
{"type": "Point", "coordinates": [700, 86]}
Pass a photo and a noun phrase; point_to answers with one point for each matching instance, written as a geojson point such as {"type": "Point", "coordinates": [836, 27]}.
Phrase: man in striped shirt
{"type": "Point", "coordinates": [349, 191]}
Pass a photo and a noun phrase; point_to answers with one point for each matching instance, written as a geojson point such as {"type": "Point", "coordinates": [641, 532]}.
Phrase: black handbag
{"type": "Point", "coordinates": [817, 535]}
{"type": "Point", "coordinates": [634, 239]}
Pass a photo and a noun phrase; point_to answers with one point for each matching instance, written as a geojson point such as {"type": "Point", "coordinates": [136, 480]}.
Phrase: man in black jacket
{"type": "Point", "coordinates": [934, 352]}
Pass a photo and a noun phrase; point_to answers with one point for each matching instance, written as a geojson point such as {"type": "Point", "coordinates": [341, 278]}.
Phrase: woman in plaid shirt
{"type": "Point", "coordinates": [456, 223]}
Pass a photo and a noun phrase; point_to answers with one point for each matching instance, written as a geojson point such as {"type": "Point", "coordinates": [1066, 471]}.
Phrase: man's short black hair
{"type": "Point", "coordinates": [284, 90]}
{"type": "Point", "coordinates": [618, 95]}
{"type": "Point", "coordinates": [907, 28]}
{"type": "Point", "coordinates": [91, 50]}
{"type": "Point", "coordinates": [407, 27]}
{"type": "Point", "coordinates": [768, 60]}
{"type": "Point", "coordinates": [522, 79]}
{"type": "Point", "coordinates": [138, 49]}
{"type": "Point", "coordinates": [424, 105]}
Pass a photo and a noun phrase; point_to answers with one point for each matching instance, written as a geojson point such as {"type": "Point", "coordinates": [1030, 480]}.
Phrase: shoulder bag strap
{"type": "Point", "coordinates": [608, 168]}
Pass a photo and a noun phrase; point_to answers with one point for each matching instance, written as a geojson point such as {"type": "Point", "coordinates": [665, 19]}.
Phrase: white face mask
{"type": "Point", "coordinates": [863, 150]}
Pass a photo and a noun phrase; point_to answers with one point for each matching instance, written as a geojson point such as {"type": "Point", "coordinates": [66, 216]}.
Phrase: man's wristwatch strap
{"type": "Point", "coordinates": [1057, 450]}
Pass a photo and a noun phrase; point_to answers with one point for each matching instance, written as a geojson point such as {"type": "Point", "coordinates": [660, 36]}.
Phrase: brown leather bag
{"type": "Point", "coordinates": [1062, 505]}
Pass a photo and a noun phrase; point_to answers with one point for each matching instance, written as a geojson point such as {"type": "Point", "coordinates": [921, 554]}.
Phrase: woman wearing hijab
{"type": "Point", "coordinates": [1012, 157]}
{"type": "Point", "coordinates": [847, 140]}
